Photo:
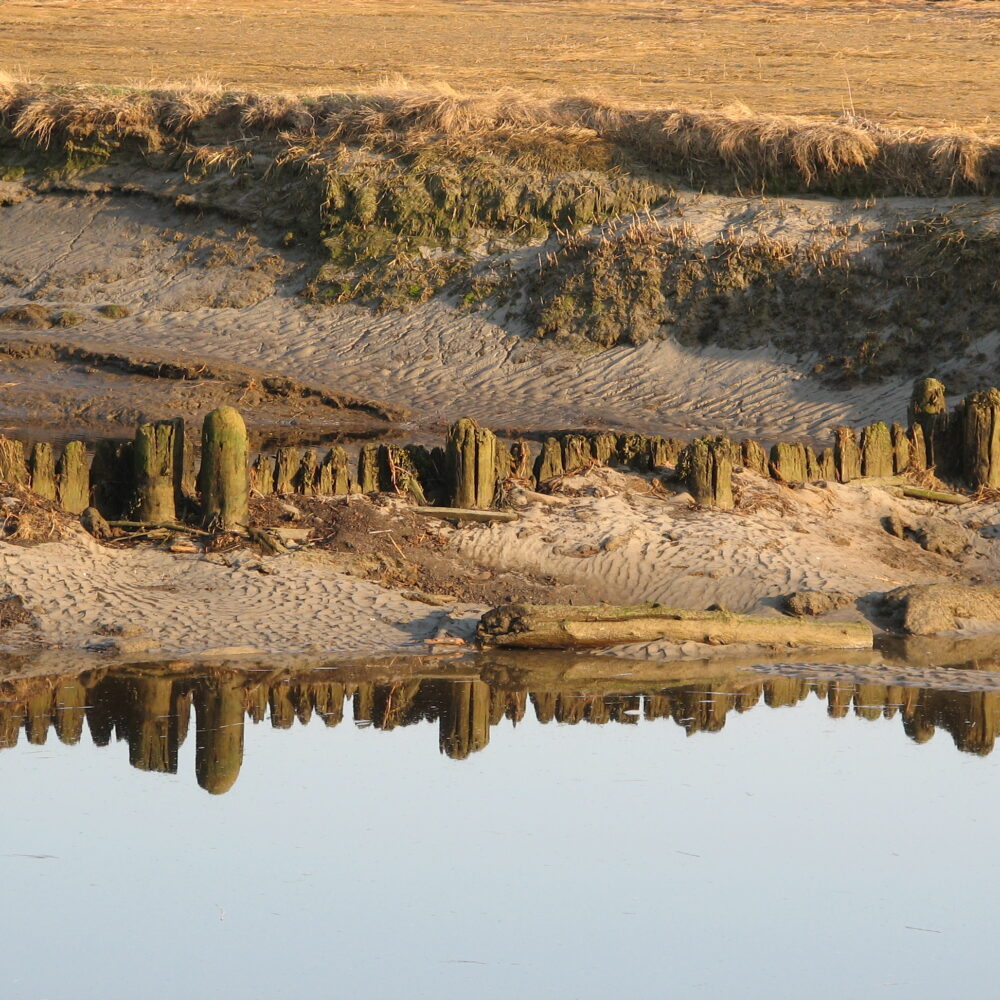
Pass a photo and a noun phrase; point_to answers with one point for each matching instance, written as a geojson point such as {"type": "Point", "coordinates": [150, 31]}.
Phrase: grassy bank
{"type": "Point", "coordinates": [567, 211]}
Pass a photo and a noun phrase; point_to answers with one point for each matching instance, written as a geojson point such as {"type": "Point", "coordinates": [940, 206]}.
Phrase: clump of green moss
{"type": "Point", "coordinates": [114, 311]}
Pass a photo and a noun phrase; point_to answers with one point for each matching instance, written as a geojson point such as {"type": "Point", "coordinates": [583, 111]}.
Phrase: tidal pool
{"type": "Point", "coordinates": [453, 832]}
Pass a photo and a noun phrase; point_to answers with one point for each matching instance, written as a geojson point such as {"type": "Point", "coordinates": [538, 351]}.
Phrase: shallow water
{"type": "Point", "coordinates": [448, 836]}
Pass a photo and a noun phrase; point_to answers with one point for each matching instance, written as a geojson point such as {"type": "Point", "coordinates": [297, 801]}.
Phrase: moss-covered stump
{"type": "Point", "coordinates": [981, 439]}
{"type": "Point", "coordinates": [549, 463]}
{"type": "Point", "coordinates": [846, 454]}
{"type": "Point", "coordinates": [13, 467]}
{"type": "Point", "coordinates": [876, 451]}
{"type": "Point", "coordinates": [788, 463]}
{"type": "Point", "coordinates": [706, 466]}
{"type": "Point", "coordinates": [471, 465]}
{"type": "Point", "coordinates": [158, 460]}
{"type": "Point", "coordinates": [42, 466]}
{"type": "Point", "coordinates": [224, 478]}
{"type": "Point", "coordinates": [73, 478]}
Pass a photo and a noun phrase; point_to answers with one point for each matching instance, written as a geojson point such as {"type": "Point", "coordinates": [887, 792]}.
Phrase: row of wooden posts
{"type": "Point", "coordinates": [144, 479]}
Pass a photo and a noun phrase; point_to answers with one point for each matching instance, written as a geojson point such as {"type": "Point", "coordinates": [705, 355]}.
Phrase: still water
{"type": "Point", "coordinates": [455, 832]}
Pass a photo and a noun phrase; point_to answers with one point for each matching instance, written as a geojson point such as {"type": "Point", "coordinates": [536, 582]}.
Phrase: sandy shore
{"type": "Point", "coordinates": [607, 537]}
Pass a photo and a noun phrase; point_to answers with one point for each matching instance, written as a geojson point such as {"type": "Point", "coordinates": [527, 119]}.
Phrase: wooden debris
{"type": "Point", "coordinates": [935, 495]}
{"type": "Point", "coordinates": [465, 514]}
{"type": "Point", "coordinates": [94, 522]}
{"type": "Point", "coordinates": [570, 627]}
{"type": "Point", "coordinates": [224, 477]}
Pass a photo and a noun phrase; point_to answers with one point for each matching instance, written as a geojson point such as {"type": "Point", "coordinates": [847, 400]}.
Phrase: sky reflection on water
{"type": "Point", "coordinates": [789, 854]}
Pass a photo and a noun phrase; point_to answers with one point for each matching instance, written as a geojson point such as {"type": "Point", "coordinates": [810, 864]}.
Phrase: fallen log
{"type": "Point", "coordinates": [569, 627]}
{"type": "Point", "coordinates": [465, 514]}
{"type": "Point", "coordinates": [919, 494]}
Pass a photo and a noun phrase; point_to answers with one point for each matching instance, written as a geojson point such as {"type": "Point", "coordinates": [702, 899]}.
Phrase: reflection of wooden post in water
{"type": "Point", "coordinates": [70, 699]}
{"type": "Point", "coordinates": [329, 699]}
{"type": "Point", "coordinates": [280, 700]}
{"type": "Point", "coordinates": [218, 706]}
{"type": "Point", "coordinates": [11, 717]}
{"type": "Point", "coordinates": [38, 715]}
{"type": "Point", "coordinates": [465, 719]}
{"type": "Point", "coordinates": [152, 725]}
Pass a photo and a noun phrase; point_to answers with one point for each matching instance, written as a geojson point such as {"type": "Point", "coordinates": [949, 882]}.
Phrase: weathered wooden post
{"type": "Point", "coordinates": [13, 468]}
{"type": "Point", "coordinates": [900, 449]}
{"type": "Point", "coordinates": [876, 451]}
{"type": "Point", "coordinates": [575, 451]}
{"type": "Point", "coordinates": [788, 462]}
{"type": "Point", "coordinates": [224, 476]}
{"type": "Point", "coordinates": [929, 409]}
{"type": "Point", "coordinates": [604, 447]}
{"type": "Point", "coordinates": [706, 466]}
{"type": "Point", "coordinates": [286, 467]}
{"type": "Point", "coordinates": [549, 465]}
{"type": "Point", "coordinates": [472, 465]}
{"type": "Point", "coordinates": [846, 454]}
{"type": "Point", "coordinates": [981, 439]}
{"type": "Point", "coordinates": [918, 448]}
{"type": "Point", "coordinates": [334, 479]}
{"type": "Point", "coordinates": [43, 470]}
{"type": "Point", "coordinates": [262, 475]}
{"type": "Point", "coordinates": [521, 468]}
{"type": "Point", "coordinates": [753, 456]}
{"type": "Point", "coordinates": [112, 478]}
{"type": "Point", "coordinates": [368, 469]}
{"type": "Point", "coordinates": [305, 476]}
{"type": "Point", "coordinates": [158, 456]}
{"type": "Point", "coordinates": [73, 478]}
{"type": "Point", "coordinates": [827, 465]}
{"type": "Point", "coordinates": [633, 451]}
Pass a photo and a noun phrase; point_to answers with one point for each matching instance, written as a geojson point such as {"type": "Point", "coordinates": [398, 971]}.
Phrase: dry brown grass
{"type": "Point", "coordinates": [934, 64]}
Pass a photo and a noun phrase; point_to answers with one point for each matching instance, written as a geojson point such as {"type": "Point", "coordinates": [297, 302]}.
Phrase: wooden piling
{"type": "Point", "coordinates": [633, 451]}
{"type": "Point", "coordinates": [575, 452]}
{"type": "Point", "coordinates": [262, 475]}
{"type": "Point", "coordinates": [706, 466]}
{"type": "Point", "coordinates": [876, 451]}
{"type": "Point", "coordinates": [788, 462]}
{"type": "Point", "coordinates": [900, 449]}
{"type": "Point", "coordinates": [286, 467]}
{"type": "Point", "coordinates": [929, 408]}
{"type": "Point", "coordinates": [306, 474]}
{"type": "Point", "coordinates": [604, 447]}
{"type": "Point", "coordinates": [918, 448]}
{"type": "Point", "coordinates": [827, 465]}
{"type": "Point", "coordinates": [112, 478]}
{"type": "Point", "coordinates": [13, 468]}
{"type": "Point", "coordinates": [847, 454]}
{"type": "Point", "coordinates": [753, 456]}
{"type": "Point", "coordinates": [158, 460]}
{"type": "Point", "coordinates": [980, 460]}
{"type": "Point", "coordinates": [549, 465]}
{"type": "Point", "coordinates": [522, 464]}
{"type": "Point", "coordinates": [471, 461]}
{"type": "Point", "coordinates": [334, 478]}
{"type": "Point", "coordinates": [224, 476]}
{"type": "Point", "coordinates": [73, 478]}
{"type": "Point", "coordinates": [42, 466]}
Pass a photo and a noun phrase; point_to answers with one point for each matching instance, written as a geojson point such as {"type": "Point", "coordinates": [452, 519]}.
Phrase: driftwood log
{"type": "Point", "coordinates": [569, 627]}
